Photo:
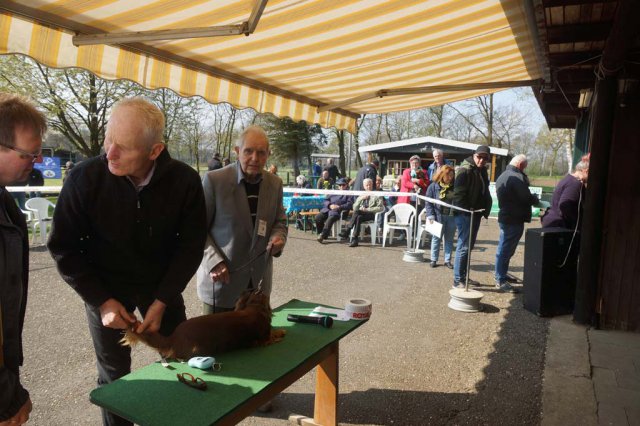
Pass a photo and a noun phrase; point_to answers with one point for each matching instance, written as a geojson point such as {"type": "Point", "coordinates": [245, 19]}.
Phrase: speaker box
{"type": "Point", "coordinates": [550, 285]}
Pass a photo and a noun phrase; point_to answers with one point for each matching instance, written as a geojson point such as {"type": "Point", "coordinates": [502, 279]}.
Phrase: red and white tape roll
{"type": "Point", "coordinates": [358, 309]}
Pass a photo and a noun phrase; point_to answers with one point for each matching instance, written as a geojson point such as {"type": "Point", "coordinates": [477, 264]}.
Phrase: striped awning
{"type": "Point", "coordinates": [323, 61]}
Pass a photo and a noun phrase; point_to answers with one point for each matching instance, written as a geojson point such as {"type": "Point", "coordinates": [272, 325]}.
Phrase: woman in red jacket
{"type": "Point", "coordinates": [414, 180]}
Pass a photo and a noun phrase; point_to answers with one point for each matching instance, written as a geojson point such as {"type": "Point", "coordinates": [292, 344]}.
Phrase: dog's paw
{"type": "Point", "coordinates": [277, 335]}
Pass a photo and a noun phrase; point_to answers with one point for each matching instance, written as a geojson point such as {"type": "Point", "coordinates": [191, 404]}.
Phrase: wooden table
{"type": "Point", "coordinates": [249, 378]}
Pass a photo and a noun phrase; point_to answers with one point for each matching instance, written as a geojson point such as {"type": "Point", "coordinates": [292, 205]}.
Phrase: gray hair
{"type": "Point", "coordinates": [367, 180]}
{"type": "Point", "coordinates": [518, 159]}
{"type": "Point", "coordinates": [149, 114]}
{"type": "Point", "coordinates": [301, 179]}
{"type": "Point", "coordinates": [582, 166]}
{"type": "Point", "coordinates": [251, 129]}
{"type": "Point", "coordinates": [437, 151]}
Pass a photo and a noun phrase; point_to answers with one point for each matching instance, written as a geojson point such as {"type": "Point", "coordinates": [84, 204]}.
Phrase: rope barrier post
{"type": "Point", "coordinates": [466, 285]}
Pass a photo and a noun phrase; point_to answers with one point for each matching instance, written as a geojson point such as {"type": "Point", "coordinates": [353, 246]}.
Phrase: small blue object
{"type": "Point", "coordinates": [201, 362]}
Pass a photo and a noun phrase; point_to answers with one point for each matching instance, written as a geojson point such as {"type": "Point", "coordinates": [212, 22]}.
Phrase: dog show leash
{"type": "Point", "coordinates": [264, 253]}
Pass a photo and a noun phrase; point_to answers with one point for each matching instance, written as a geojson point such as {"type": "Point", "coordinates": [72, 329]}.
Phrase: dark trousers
{"type": "Point", "coordinates": [357, 219]}
{"type": "Point", "coordinates": [113, 359]}
{"type": "Point", "coordinates": [324, 222]}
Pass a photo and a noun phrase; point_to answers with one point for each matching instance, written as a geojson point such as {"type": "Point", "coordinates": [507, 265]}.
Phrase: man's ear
{"type": "Point", "coordinates": [156, 150]}
{"type": "Point", "coordinates": [237, 150]}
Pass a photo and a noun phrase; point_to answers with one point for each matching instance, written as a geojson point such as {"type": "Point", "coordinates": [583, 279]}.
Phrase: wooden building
{"type": "Point", "coordinates": [394, 156]}
{"type": "Point", "coordinates": [591, 59]}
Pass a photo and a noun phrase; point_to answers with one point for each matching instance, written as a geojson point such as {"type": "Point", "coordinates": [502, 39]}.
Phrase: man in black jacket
{"type": "Point", "coordinates": [21, 130]}
{"type": "Point", "coordinates": [471, 192]}
{"type": "Point", "coordinates": [515, 201]}
{"type": "Point", "coordinates": [128, 232]}
{"type": "Point", "coordinates": [369, 171]}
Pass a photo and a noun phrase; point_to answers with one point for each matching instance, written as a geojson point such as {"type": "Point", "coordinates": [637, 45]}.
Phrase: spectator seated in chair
{"type": "Point", "coordinates": [364, 209]}
{"type": "Point", "coordinates": [334, 205]}
{"type": "Point", "coordinates": [325, 182]}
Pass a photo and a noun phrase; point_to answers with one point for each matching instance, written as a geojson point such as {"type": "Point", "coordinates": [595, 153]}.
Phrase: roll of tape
{"type": "Point", "coordinates": [358, 309]}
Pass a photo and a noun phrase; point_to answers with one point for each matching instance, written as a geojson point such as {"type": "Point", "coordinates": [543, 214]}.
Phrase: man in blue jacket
{"type": "Point", "coordinates": [515, 201]}
{"type": "Point", "coordinates": [334, 205]}
{"type": "Point", "coordinates": [21, 130]}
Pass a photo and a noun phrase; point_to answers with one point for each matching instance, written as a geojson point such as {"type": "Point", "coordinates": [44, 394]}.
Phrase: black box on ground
{"type": "Point", "coordinates": [549, 280]}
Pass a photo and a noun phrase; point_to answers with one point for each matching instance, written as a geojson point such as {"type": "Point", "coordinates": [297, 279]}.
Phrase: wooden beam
{"type": "Point", "coordinates": [575, 33]}
{"type": "Point", "coordinates": [565, 59]}
{"type": "Point", "coordinates": [256, 13]}
{"type": "Point", "coordinates": [556, 3]}
{"type": "Point", "coordinates": [431, 89]}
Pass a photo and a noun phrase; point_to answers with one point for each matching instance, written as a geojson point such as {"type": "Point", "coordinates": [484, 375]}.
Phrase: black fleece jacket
{"type": "Point", "coordinates": [110, 241]}
{"type": "Point", "coordinates": [14, 270]}
{"type": "Point", "coordinates": [471, 188]}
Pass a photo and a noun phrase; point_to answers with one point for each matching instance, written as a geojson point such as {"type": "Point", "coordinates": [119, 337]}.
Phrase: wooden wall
{"type": "Point", "coordinates": [619, 284]}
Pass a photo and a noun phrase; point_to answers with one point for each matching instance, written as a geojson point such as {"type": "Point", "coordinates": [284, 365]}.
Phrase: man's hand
{"type": "Point", "coordinates": [275, 246]}
{"type": "Point", "coordinates": [220, 272]}
{"type": "Point", "coordinates": [153, 318]}
{"type": "Point", "coordinates": [114, 315]}
{"type": "Point", "coordinates": [334, 207]}
{"type": "Point", "coordinates": [21, 416]}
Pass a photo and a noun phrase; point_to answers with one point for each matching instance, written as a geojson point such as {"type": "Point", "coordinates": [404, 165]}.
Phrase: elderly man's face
{"type": "Point", "coordinates": [325, 174]}
{"type": "Point", "coordinates": [15, 166]}
{"type": "Point", "coordinates": [437, 156]}
{"type": "Point", "coordinates": [368, 185]}
{"type": "Point", "coordinates": [253, 154]}
{"type": "Point", "coordinates": [128, 153]}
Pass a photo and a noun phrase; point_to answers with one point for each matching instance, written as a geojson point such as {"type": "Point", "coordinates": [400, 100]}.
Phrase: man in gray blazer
{"type": "Point", "coordinates": [246, 225]}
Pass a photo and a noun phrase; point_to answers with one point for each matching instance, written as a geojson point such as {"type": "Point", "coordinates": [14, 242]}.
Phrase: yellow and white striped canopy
{"type": "Point", "coordinates": [304, 54]}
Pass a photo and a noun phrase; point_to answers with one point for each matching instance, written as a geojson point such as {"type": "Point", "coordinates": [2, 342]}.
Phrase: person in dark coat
{"type": "Point", "coordinates": [471, 192]}
{"type": "Point", "coordinates": [334, 173]}
{"type": "Point", "coordinates": [128, 233]}
{"type": "Point", "coordinates": [515, 201]}
{"type": "Point", "coordinates": [369, 171]}
{"type": "Point", "coordinates": [334, 205]}
{"type": "Point", "coordinates": [21, 130]}
{"type": "Point", "coordinates": [215, 163]}
{"type": "Point", "coordinates": [568, 199]}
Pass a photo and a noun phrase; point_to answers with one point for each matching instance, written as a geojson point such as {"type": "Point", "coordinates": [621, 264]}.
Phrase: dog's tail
{"type": "Point", "coordinates": [154, 340]}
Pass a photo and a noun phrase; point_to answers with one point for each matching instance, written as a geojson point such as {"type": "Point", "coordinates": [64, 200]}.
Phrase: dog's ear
{"type": "Point", "coordinates": [241, 303]}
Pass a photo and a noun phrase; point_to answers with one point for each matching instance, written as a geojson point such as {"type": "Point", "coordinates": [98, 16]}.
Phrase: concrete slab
{"type": "Point", "coordinates": [567, 396]}
{"type": "Point", "coordinates": [610, 415]}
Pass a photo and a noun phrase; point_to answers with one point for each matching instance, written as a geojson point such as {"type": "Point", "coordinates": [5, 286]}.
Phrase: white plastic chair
{"type": "Point", "coordinates": [40, 209]}
{"type": "Point", "coordinates": [420, 231]}
{"type": "Point", "coordinates": [404, 221]}
{"type": "Point", "coordinates": [373, 228]}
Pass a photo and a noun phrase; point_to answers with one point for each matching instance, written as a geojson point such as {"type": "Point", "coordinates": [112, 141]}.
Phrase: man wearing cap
{"type": "Point", "coordinates": [471, 192]}
{"type": "Point", "coordinates": [369, 171]}
{"type": "Point", "coordinates": [334, 205]}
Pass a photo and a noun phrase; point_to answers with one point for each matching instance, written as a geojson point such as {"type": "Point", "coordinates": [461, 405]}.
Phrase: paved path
{"type": "Point", "coordinates": [416, 362]}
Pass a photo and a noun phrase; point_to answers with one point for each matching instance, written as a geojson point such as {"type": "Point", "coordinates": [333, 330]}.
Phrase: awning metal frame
{"type": "Point", "coordinates": [431, 89]}
{"type": "Point", "coordinates": [246, 28]}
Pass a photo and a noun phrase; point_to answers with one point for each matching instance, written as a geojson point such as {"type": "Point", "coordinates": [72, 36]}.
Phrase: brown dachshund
{"type": "Point", "coordinates": [207, 335]}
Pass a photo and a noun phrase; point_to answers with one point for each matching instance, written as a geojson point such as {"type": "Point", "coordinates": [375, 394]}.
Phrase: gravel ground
{"type": "Point", "coordinates": [416, 362]}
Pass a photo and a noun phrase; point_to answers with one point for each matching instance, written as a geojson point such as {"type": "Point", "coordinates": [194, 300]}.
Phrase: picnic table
{"type": "Point", "coordinates": [249, 378]}
{"type": "Point", "coordinates": [297, 203]}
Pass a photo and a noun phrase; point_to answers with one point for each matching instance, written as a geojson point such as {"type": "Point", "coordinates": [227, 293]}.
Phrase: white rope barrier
{"type": "Point", "coordinates": [34, 188]}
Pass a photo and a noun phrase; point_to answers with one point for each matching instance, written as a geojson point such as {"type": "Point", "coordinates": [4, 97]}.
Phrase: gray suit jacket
{"type": "Point", "coordinates": [232, 238]}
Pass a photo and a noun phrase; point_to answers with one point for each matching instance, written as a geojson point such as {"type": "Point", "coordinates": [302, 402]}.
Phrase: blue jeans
{"type": "Point", "coordinates": [509, 237]}
{"type": "Point", "coordinates": [462, 248]}
{"type": "Point", "coordinates": [448, 231]}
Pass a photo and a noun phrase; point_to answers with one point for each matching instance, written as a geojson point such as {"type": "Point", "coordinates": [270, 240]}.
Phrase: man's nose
{"type": "Point", "coordinates": [111, 152]}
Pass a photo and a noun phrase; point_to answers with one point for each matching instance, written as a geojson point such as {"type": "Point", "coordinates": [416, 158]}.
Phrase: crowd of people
{"type": "Point", "coordinates": [457, 191]}
{"type": "Point", "coordinates": [132, 226]}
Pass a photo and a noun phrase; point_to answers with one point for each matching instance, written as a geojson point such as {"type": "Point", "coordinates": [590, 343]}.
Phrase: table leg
{"type": "Point", "coordinates": [326, 403]}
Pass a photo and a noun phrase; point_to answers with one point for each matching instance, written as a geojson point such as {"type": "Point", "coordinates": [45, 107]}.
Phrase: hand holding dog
{"type": "Point", "coordinates": [115, 315]}
{"type": "Point", "coordinates": [153, 318]}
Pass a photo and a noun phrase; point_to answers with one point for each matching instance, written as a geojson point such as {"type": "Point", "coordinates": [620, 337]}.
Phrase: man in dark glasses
{"type": "Point", "coordinates": [471, 192]}
{"type": "Point", "coordinates": [21, 130]}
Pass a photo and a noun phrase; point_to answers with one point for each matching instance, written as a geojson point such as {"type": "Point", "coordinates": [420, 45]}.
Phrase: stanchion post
{"type": "Point", "coordinates": [466, 285]}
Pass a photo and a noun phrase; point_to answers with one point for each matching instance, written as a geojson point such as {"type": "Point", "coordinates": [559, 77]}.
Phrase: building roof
{"type": "Point", "coordinates": [427, 144]}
